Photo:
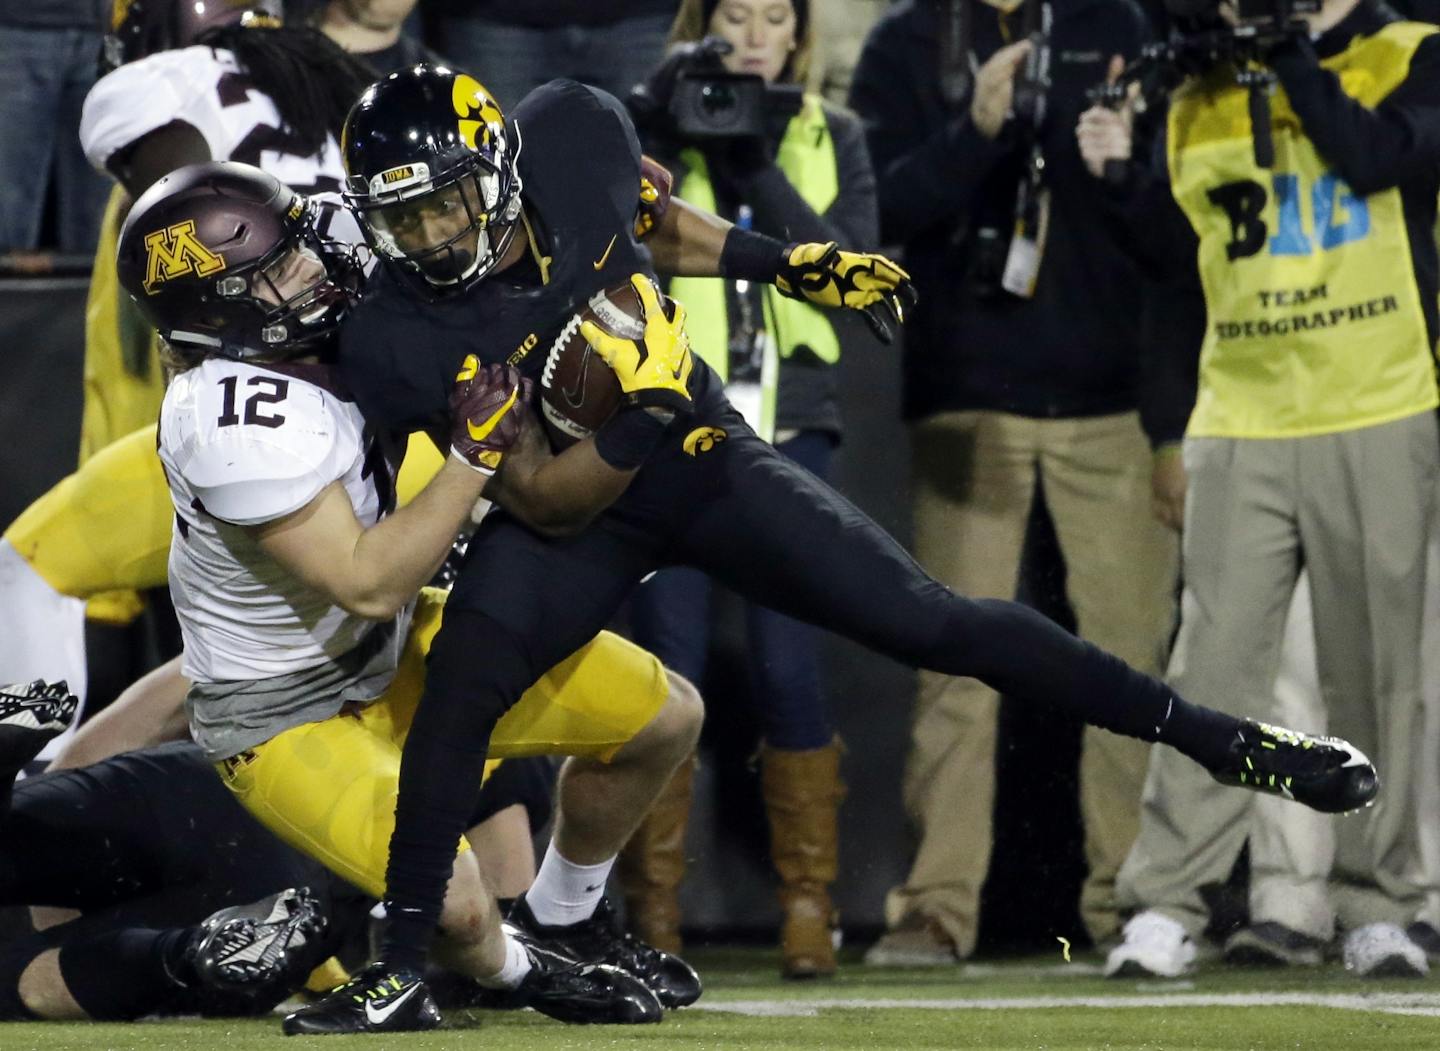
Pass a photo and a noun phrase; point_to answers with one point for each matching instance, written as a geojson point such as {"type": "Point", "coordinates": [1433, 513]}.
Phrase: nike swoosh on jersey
{"type": "Point", "coordinates": [378, 1016]}
{"type": "Point", "coordinates": [482, 432]}
{"type": "Point", "coordinates": [606, 256]}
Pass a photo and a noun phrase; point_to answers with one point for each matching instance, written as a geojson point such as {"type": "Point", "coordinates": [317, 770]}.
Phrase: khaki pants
{"type": "Point", "coordinates": [975, 475]}
{"type": "Point", "coordinates": [1355, 508]}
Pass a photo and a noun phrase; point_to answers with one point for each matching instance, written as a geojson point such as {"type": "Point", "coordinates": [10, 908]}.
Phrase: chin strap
{"type": "Point", "coordinates": [541, 260]}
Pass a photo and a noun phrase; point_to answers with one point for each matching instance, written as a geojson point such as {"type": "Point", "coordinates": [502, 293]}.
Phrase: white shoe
{"type": "Point", "coordinates": [1382, 950]}
{"type": "Point", "coordinates": [1155, 946]}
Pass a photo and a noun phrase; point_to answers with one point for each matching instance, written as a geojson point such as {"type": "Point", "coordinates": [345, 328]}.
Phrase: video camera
{"type": "Point", "coordinates": [1202, 41]}
{"type": "Point", "coordinates": [715, 104]}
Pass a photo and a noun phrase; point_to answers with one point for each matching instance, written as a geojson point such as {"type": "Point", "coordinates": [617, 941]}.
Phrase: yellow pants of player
{"type": "Point", "coordinates": [107, 526]}
{"type": "Point", "coordinates": [329, 788]}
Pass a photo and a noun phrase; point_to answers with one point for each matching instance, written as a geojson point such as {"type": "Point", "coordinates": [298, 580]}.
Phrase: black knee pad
{"type": "Point", "coordinates": [529, 782]}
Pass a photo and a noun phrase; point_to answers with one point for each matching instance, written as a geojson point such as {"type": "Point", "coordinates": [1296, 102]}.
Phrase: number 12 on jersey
{"type": "Point", "coordinates": [278, 389]}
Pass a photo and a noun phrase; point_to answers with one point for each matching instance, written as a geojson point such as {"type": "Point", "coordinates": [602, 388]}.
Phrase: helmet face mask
{"type": "Point", "coordinates": [436, 191]}
{"type": "Point", "coordinates": [225, 261]}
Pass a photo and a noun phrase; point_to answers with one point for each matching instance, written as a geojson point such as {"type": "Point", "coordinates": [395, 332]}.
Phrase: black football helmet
{"type": "Point", "coordinates": [430, 172]}
{"type": "Point", "coordinates": [142, 27]}
{"type": "Point", "coordinates": [210, 252]}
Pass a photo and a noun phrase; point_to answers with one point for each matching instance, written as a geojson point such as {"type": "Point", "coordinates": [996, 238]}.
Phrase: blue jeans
{"type": "Point", "coordinates": [514, 60]}
{"type": "Point", "coordinates": [670, 618]}
{"type": "Point", "coordinates": [44, 76]}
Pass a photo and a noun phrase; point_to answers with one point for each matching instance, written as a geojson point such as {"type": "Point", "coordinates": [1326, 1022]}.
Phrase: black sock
{"type": "Point", "coordinates": [1201, 733]}
{"type": "Point", "coordinates": [476, 671]}
{"type": "Point", "coordinates": [125, 974]}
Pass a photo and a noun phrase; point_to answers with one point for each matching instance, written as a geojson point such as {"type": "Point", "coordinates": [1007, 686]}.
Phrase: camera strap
{"type": "Point", "coordinates": [957, 53]}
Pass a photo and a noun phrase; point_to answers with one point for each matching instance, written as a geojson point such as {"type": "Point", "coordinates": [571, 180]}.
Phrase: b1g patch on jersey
{"type": "Point", "coordinates": [176, 251]}
{"type": "Point", "coordinates": [403, 177]}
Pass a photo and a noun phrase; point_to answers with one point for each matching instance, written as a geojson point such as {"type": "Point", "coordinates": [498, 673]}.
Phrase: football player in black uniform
{"type": "Point", "coordinates": [493, 232]}
{"type": "Point", "coordinates": [149, 939]}
{"type": "Point", "coordinates": [165, 926]}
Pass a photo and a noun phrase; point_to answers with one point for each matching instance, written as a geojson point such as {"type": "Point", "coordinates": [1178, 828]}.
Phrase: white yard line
{"type": "Point", "coordinates": [1425, 1004]}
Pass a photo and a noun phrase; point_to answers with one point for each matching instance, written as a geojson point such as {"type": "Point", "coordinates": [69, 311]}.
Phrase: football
{"type": "Point", "coordinates": [578, 391]}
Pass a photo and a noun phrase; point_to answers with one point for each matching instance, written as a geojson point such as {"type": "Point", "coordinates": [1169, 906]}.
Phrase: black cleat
{"type": "Point", "coordinates": [1325, 773]}
{"type": "Point", "coordinates": [600, 940]}
{"type": "Point", "coordinates": [583, 993]}
{"type": "Point", "coordinates": [31, 713]}
{"type": "Point", "coordinates": [270, 945]}
{"type": "Point", "coordinates": [377, 1000]}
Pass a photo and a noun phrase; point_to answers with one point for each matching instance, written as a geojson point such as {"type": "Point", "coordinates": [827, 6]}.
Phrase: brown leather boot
{"type": "Point", "coordinates": [653, 863]}
{"type": "Point", "coordinates": [802, 796]}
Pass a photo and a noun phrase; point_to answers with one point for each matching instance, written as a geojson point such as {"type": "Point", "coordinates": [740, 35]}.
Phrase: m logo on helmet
{"type": "Point", "coordinates": [174, 252]}
{"type": "Point", "coordinates": [472, 100]}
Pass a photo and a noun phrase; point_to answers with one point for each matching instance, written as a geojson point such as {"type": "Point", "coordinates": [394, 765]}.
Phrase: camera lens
{"type": "Point", "coordinates": [720, 103]}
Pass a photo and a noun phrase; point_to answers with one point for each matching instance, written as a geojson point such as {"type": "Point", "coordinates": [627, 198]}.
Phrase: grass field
{"type": "Point", "coordinates": [1027, 1004]}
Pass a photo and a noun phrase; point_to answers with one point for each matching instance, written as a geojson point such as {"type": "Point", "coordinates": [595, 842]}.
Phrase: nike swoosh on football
{"type": "Point", "coordinates": [379, 1016]}
{"type": "Point", "coordinates": [606, 256]}
{"type": "Point", "coordinates": [482, 432]}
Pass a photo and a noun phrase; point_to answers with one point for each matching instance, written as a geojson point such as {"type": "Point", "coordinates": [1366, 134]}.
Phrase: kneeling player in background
{"type": "Point", "coordinates": [163, 926]}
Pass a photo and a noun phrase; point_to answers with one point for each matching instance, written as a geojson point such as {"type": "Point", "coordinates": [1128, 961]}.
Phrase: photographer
{"type": "Point", "coordinates": [1021, 375]}
{"type": "Point", "coordinates": [794, 167]}
{"type": "Point", "coordinates": [1312, 443]}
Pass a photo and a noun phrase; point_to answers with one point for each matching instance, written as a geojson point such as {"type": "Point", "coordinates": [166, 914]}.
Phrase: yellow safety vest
{"type": "Point", "coordinates": [1314, 320]}
{"type": "Point", "coordinates": [807, 157]}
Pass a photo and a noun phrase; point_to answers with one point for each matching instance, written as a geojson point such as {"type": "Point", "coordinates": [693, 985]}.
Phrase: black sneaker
{"type": "Point", "coordinates": [1271, 944]}
{"type": "Point", "coordinates": [600, 940]}
{"type": "Point", "coordinates": [1325, 773]}
{"type": "Point", "coordinates": [275, 941]}
{"type": "Point", "coordinates": [377, 1000]}
{"type": "Point", "coordinates": [31, 713]}
{"type": "Point", "coordinates": [584, 993]}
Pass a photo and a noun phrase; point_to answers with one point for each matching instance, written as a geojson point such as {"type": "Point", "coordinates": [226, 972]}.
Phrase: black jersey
{"type": "Point", "coordinates": [579, 162]}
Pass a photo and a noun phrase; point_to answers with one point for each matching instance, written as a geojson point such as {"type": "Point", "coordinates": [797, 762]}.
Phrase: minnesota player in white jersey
{"type": "Point", "coordinates": [255, 91]}
{"type": "Point", "coordinates": [294, 578]}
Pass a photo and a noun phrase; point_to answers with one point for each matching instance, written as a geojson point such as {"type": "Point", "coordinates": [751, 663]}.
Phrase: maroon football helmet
{"type": "Point", "coordinates": [208, 252]}
{"type": "Point", "coordinates": [142, 27]}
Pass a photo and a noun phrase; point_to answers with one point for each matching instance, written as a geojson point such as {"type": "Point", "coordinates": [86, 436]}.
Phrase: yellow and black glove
{"type": "Point", "coordinates": [824, 275]}
{"type": "Point", "coordinates": [654, 370]}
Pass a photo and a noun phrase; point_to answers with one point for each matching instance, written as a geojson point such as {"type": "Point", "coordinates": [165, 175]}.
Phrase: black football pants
{"type": "Point", "coordinates": [771, 532]}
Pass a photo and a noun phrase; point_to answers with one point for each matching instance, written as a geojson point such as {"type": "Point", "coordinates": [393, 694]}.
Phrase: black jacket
{"type": "Point", "coordinates": [1072, 349]}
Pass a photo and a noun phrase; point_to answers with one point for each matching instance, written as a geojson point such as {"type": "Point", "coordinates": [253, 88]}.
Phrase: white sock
{"type": "Point", "coordinates": [516, 966]}
{"type": "Point", "coordinates": [563, 892]}
{"type": "Point", "coordinates": [42, 632]}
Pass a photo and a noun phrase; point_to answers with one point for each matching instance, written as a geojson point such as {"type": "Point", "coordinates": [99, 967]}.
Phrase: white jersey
{"type": "Point", "coordinates": [205, 88]}
{"type": "Point", "coordinates": [245, 444]}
